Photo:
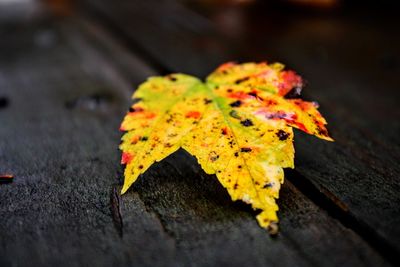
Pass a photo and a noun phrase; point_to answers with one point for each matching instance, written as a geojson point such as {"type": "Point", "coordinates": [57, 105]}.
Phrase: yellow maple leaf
{"type": "Point", "coordinates": [238, 124]}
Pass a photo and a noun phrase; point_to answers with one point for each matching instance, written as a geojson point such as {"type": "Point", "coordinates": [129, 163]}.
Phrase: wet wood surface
{"type": "Point", "coordinates": [65, 84]}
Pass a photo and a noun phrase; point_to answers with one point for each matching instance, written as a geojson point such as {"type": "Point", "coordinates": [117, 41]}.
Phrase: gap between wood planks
{"type": "Point", "coordinates": [324, 199]}
{"type": "Point", "coordinates": [339, 211]}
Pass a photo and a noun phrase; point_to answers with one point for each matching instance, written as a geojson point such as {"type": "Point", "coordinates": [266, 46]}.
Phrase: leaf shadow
{"type": "Point", "coordinates": [184, 196]}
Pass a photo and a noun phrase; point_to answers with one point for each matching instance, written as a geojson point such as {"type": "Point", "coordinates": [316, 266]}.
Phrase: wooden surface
{"type": "Point", "coordinates": [65, 84]}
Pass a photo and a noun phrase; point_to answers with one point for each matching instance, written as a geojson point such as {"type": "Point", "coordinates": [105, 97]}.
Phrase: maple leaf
{"type": "Point", "coordinates": [238, 124]}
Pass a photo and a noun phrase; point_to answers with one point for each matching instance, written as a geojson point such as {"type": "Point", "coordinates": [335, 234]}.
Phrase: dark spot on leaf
{"type": "Point", "coordinates": [229, 90]}
{"type": "Point", "coordinates": [245, 149]}
{"type": "Point", "coordinates": [239, 166]}
{"type": "Point", "coordinates": [207, 101]}
{"type": "Point", "coordinates": [213, 156]}
{"type": "Point", "coordinates": [236, 154]}
{"type": "Point", "coordinates": [134, 141]}
{"type": "Point", "coordinates": [140, 167]}
{"type": "Point", "coordinates": [268, 185]}
{"type": "Point", "coordinates": [144, 138]}
{"type": "Point", "coordinates": [322, 132]}
{"type": "Point", "coordinates": [235, 104]}
{"type": "Point", "coordinates": [224, 131]}
{"type": "Point", "coordinates": [234, 114]}
{"type": "Point", "coordinates": [239, 81]}
{"type": "Point", "coordinates": [172, 78]}
{"type": "Point", "coordinates": [254, 94]}
{"type": "Point", "coordinates": [235, 186]}
{"type": "Point", "coordinates": [282, 135]}
{"type": "Point", "coordinates": [247, 123]}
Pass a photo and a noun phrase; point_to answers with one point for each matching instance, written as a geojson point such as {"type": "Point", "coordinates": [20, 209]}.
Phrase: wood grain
{"type": "Point", "coordinates": [350, 61]}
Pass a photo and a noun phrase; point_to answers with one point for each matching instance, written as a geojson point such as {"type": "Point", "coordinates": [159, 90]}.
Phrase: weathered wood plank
{"type": "Point", "coordinates": [351, 64]}
{"type": "Point", "coordinates": [65, 158]}
{"type": "Point", "coordinates": [352, 67]}
{"type": "Point", "coordinates": [60, 141]}
{"type": "Point", "coordinates": [210, 230]}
